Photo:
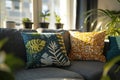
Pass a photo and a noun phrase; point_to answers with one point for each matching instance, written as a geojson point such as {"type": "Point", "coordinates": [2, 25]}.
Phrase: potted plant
{"type": "Point", "coordinates": [58, 23]}
{"type": "Point", "coordinates": [44, 16]}
{"type": "Point", "coordinates": [108, 20]}
{"type": "Point", "coordinates": [27, 23]}
{"type": "Point", "coordinates": [10, 24]}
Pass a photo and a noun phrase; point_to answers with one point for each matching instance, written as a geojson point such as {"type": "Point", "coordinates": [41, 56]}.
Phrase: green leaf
{"type": "Point", "coordinates": [105, 78]}
{"type": "Point", "coordinates": [14, 62]}
{"type": "Point", "coordinates": [109, 20]}
{"type": "Point", "coordinates": [2, 42]}
{"type": "Point", "coordinates": [6, 75]}
{"type": "Point", "coordinates": [44, 14]}
{"type": "Point", "coordinates": [108, 66]}
{"type": "Point", "coordinates": [118, 1]}
{"type": "Point", "coordinates": [26, 20]}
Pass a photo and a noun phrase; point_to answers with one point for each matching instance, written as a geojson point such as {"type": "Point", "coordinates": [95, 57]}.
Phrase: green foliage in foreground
{"type": "Point", "coordinates": [8, 63]}
{"type": "Point", "coordinates": [4, 75]}
{"type": "Point", "coordinates": [108, 66]}
{"type": "Point", "coordinates": [13, 62]}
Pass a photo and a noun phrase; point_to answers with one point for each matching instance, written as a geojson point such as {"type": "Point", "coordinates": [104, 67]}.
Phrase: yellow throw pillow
{"type": "Point", "coordinates": [87, 45]}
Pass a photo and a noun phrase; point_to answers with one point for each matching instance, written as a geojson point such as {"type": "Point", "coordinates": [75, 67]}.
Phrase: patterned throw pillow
{"type": "Point", "coordinates": [87, 45]}
{"type": "Point", "coordinates": [114, 47]}
{"type": "Point", "coordinates": [45, 49]}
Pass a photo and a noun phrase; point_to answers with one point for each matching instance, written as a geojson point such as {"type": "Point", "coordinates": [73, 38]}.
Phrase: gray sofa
{"type": "Point", "coordinates": [84, 70]}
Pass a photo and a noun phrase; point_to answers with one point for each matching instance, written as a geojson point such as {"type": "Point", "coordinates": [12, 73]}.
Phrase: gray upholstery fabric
{"type": "Point", "coordinates": [45, 73]}
{"type": "Point", "coordinates": [91, 70]}
{"type": "Point", "coordinates": [27, 30]}
{"type": "Point", "coordinates": [114, 75]}
{"type": "Point", "coordinates": [14, 44]}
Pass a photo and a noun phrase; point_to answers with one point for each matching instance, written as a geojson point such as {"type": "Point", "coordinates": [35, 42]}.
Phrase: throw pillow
{"type": "Point", "coordinates": [45, 49]}
{"type": "Point", "coordinates": [87, 45]}
{"type": "Point", "coordinates": [114, 47]}
{"type": "Point", "coordinates": [65, 34]}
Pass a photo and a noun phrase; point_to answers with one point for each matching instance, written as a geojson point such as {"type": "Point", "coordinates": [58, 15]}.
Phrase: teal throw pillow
{"type": "Point", "coordinates": [114, 47]}
{"type": "Point", "coordinates": [45, 49]}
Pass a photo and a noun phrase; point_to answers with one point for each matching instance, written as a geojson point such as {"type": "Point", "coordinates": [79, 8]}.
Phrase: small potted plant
{"type": "Point", "coordinates": [58, 23]}
{"type": "Point", "coordinates": [27, 23]}
{"type": "Point", "coordinates": [44, 16]}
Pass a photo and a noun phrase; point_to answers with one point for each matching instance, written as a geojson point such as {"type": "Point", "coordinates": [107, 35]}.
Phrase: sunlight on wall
{"type": "Point", "coordinates": [52, 17]}
{"type": "Point", "coordinates": [2, 11]}
{"type": "Point", "coordinates": [64, 13]}
{"type": "Point", "coordinates": [109, 4]}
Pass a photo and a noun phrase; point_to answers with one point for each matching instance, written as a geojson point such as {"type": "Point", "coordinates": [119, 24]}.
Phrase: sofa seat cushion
{"type": "Point", "coordinates": [91, 70]}
{"type": "Point", "coordinates": [44, 73]}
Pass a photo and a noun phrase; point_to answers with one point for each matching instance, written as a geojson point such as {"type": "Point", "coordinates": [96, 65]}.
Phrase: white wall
{"type": "Point", "coordinates": [109, 4]}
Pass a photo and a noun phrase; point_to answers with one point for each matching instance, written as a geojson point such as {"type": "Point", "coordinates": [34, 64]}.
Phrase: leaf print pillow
{"type": "Point", "coordinates": [45, 49]}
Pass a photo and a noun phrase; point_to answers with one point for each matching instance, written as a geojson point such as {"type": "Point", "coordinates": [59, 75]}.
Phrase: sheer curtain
{"type": "Point", "coordinates": [52, 14]}
{"type": "Point", "coordinates": [12, 12]}
{"type": "Point", "coordinates": [66, 9]}
{"type": "Point", "coordinates": [2, 11]}
{"type": "Point", "coordinates": [68, 13]}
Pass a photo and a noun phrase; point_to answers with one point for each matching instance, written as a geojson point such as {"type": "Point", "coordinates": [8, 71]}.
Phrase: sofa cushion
{"type": "Point", "coordinates": [87, 45]}
{"type": "Point", "coordinates": [45, 49]}
{"type": "Point", "coordinates": [90, 70]}
{"type": "Point", "coordinates": [65, 34]}
{"type": "Point", "coordinates": [45, 73]}
{"type": "Point", "coordinates": [114, 47]}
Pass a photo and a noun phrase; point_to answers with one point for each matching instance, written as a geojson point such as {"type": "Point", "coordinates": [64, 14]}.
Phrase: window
{"type": "Point", "coordinates": [14, 11]}
{"type": "Point", "coordinates": [16, 4]}
{"type": "Point", "coordinates": [66, 9]}
{"type": "Point", "coordinates": [8, 4]}
{"type": "Point", "coordinates": [54, 7]}
{"type": "Point", "coordinates": [12, 4]}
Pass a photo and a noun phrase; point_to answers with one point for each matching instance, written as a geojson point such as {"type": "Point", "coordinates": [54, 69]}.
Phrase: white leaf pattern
{"type": "Point", "coordinates": [48, 36]}
{"type": "Point", "coordinates": [46, 59]}
{"type": "Point", "coordinates": [58, 57]}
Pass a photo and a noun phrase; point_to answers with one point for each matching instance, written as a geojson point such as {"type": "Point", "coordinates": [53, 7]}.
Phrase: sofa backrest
{"type": "Point", "coordinates": [15, 43]}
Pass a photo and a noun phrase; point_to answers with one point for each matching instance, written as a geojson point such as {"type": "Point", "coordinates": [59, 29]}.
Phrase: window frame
{"type": "Point", "coordinates": [37, 8]}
